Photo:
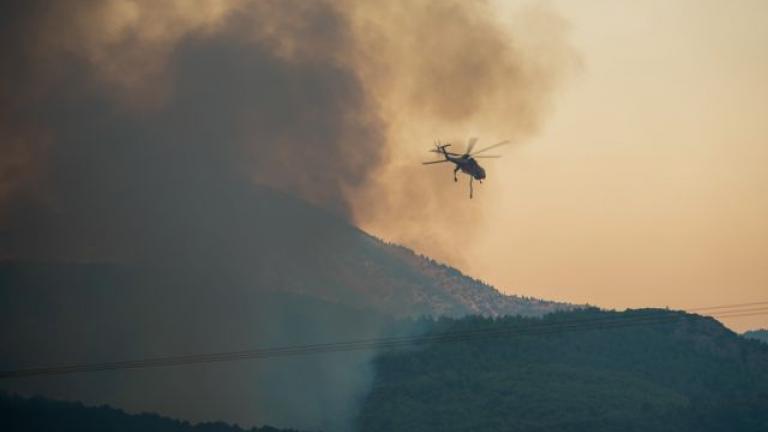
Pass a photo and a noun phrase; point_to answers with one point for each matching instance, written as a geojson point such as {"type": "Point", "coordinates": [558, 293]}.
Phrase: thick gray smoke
{"type": "Point", "coordinates": [111, 178]}
{"type": "Point", "coordinates": [146, 151]}
{"type": "Point", "coordinates": [142, 134]}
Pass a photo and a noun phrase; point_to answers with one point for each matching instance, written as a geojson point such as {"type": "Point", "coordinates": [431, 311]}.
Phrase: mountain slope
{"type": "Point", "coordinates": [19, 414]}
{"type": "Point", "coordinates": [275, 242]}
{"type": "Point", "coordinates": [279, 272]}
{"type": "Point", "coordinates": [690, 374]}
{"type": "Point", "coordinates": [461, 294]}
{"type": "Point", "coordinates": [311, 251]}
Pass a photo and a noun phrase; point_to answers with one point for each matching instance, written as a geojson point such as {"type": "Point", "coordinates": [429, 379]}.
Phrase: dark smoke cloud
{"type": "Point", "coordinates": [138, 137]}
{"type": "Point", "coordinates": [240, 108]}
{"type": "Point", "coordinates": [141, 131]}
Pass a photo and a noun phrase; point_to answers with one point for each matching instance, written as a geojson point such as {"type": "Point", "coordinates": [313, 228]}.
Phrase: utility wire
{"type": "Point", "coordinates": [395, 342]}
{"type": "Point", "coordinates": [546, 326]}
{"type": "Point", "coordinates": [370, 343]}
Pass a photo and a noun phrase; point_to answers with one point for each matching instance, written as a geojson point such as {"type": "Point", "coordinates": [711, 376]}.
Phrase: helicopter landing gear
{"type": "Point", "coordinates": [455, 179]}
{"type": "Point", "coordinates": [470, 186]}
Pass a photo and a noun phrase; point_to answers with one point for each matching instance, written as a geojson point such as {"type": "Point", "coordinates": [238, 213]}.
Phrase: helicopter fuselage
{"type": "Point", "coordinates": [468, 166]}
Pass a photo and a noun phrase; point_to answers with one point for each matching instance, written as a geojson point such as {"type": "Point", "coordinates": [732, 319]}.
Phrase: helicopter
{"type": "Point", "coordinates": [466, 162]}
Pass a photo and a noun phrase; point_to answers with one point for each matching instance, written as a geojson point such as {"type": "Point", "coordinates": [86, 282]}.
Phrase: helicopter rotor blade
{"type": "Point", "coordinates": [449, 153]}
{"type": "Point", "coordinates": [434, 162]}
{"type": "Point", "coordinates": [471, 145]}
{"type": "Point", "coordinates": [490, 147]}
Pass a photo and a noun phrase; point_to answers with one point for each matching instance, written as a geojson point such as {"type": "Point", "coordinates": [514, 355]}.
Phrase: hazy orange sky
{"type": "Point", "coordinates": [644, 185]}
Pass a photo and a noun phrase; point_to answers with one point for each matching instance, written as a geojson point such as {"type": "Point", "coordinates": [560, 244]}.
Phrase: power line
{"type": "Point", "coordinates": [396, 342]}
{"type": "Point", "coordinates": [737, 305]}
{"type": "Point", "coordinates": [550, 325]}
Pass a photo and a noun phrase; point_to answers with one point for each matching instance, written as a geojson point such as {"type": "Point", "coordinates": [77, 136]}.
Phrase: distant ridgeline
{"type": "Point", "coordinates": [761, 335]}
{"type": "Point", "coordinates": [582, 370]}
{"type": "Point", "coordinates": [339, 264]}
{"type": "Point", "coordinates": [691, 374]}
{"type": "Point", "coordinates": [442, 290]}
{"type": "Point", "coordinates": [19, 414]}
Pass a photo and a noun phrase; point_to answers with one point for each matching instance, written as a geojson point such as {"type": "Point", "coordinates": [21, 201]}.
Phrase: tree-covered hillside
{"type": "Point", "coordinates": [278, 272]}
{"type": "Point", "coordinates": [761, 335]}
{"type": "Point", "coordinates": [19, 414]}
{"type": "Point", "coordinates": [584, 370]}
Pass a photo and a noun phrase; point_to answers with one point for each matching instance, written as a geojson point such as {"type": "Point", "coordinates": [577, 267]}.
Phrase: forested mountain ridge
{"type": "Point", "coordinates": [279, 272]}
{"type": "Point", "coordinates": [289, 245]}
{"type": "Point", "coordinates": [688, 374]}
{"type": "Point", "coordinates": [760, 334]}
{"type": "Point", "coordinates": [19, 414]}
{"type": "Point", "coordinates": [474, 296]}
{"type": "Point", "coordinates": [315, 252]}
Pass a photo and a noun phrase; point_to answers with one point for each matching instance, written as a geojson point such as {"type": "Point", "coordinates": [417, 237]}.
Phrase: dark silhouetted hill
{"type": "Point", "coordinates": [692, 374]}
{"type": "Point", "coordinates": [267, 270]}
{"type": "Point", "coordinates": [19, 414]}
{"type": "Point", "coordinates": [309, 251]}
{"type": "Point", "coordinates": [760, 334]}
{"type": "Point", "coordinates": [284, 244]}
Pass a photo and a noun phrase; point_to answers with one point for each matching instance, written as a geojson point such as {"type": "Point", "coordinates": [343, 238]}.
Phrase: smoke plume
{"type": "Point", "coordinates": [146, 113]}
{"type": "Point", "coordinates": [133, 130]}
{"type": "Point", "coordinates": [451, 71]}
